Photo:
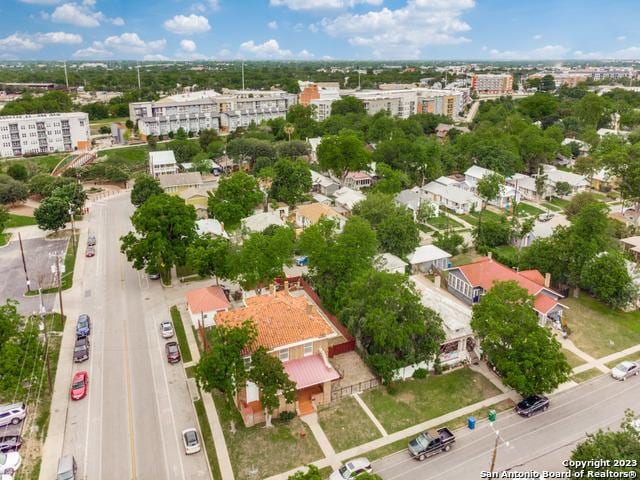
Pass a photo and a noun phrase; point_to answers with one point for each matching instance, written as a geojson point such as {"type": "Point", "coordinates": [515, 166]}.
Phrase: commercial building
{"type": "Point", "coordinates": [492, 84]}
{"type": "Point", "coordinates": [196, 111]}
{"type": "Point", "coordinates": [44, 133]}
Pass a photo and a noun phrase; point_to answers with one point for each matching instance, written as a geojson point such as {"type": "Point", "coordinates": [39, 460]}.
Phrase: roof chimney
{"type": "Point", "coordinates": [272, 290]}
{"type": "Point", "coordinates": [547, 280]}
{"type": "Point", "coordinates": [286, 286]}
{"type": "Point", "coordinates": [490, 255]}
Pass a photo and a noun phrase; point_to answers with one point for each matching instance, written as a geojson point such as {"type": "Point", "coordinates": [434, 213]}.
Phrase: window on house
{"type": "Point", "coordinates": [247, 361]}
{"type": "Point", "coordinates": [308, 349]}
{"type": "Point", "coordinates": [283, 355]}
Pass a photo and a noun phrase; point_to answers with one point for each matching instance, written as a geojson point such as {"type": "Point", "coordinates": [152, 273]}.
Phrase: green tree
{"type": "Point", "coordinates": [547, 83]}
{"type": "Point", "coordinates": [312, 473]}
{"type": "Point", "coordinates": [392, 326]}
{"type": "Point", "coordinates": [152, 141]}
{"type": "Point", "coordinates": [236, 197]}
{"type": "Point", "coordinates": [42, 184]}
{"type": "Point", "coordinates": [342, 153]}
{"type": "Point", "coordinates": [540, 183]}
{"type": "Point", "coordinates": [494, 232]}
{"type": "Point", "coordinates": [450, 242]}
{"type": "Point", "coordinates": [347, 105]}
{"type": "Point", "coordinates": [222, 367]}
{"type": "Point", "coordinates": [73, 194]}
{"type": "Point", "coordinates": [18, 171]}
{"type": "Point", "coordinates": [540, 106]}
{"type": "Point", "coordinates": [291, 181]}
{"type": "Point", "coordinates": [607, 278]}
{"type": "Point", "coordinates": [206, 136]}
{"type": "Point", "coordinates": [527, 356]}
{"type": "Point", "coordinates": [488, 189]}
{"type": "Point", "coordinates": [562, 189]}
{"type": "Point", "coordinates": [267, 372]}
{"type": "Point", "coordinates": [389, 180]}
{"type": "Point", "coordinates": [591, 109]}
{"type": "Point", "coordinates": [12, 191]}
{"type": "Point", "coordinates": [578, 202]}
{"type": "Point", "coordinates": [164, 227]}
{"type": "Point", "coordinates": [184, 150]}
{"type": "Point", "coordinates": [52, 214]}
{"type": "Point", "coordinates": [4, 218]}
{"type": "Point", "coordinates": [263, 257]}
{"type": "Point", "coordinates": [145, 187]}
{"type": "Point", "coordinates": [619, 445]}
{"type": "Point", "coordinates": [211, 257]}
{"type": "Point", "coordinates": [335, 259]}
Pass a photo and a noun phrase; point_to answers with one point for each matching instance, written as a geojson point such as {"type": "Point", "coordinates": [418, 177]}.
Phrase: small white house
{"type": "Point", "coordinates": [428, 258]}
{"type": "Point", "coordinates": [323, 184]}
{"type": "Point", "coordinates": [204, 303]}
{"type": "Point", "coordinates": [260, 221]}
{"type": "Point", "coordinates": [210, 226]}
{"type": "Point", "coordinates": [453, 198]}
{"type": "Point", "coordinates": [578, 183]}
{"type": "Point", "coordinates": [348, 198]}
{"type": "Point", "coordinates": [388, 262]}
{"type": "Point", "coordinates": [162, 163]}
{"type": "Point", "coordinates": [413, 199]}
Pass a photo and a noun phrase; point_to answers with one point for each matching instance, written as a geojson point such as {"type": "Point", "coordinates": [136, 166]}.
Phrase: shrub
{"type": "Point", "coordinates": [420, 373]}
{"type": "Point", "coordinates": [287, 416]}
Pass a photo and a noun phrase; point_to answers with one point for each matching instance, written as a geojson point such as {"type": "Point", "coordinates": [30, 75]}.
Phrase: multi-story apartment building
{"type": "Point", "coordinates": [403, 103]}
{"type": "Point", "coordinates": [570, 79]}
{"type": "Point", "coordinates": [494, 84]}
{"type": "Point", "coordinates": [44, 133]}
{"type": "Point", "coordinates": [199, 110]}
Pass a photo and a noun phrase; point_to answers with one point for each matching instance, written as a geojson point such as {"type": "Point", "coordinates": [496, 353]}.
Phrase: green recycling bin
{"type": "Point", "coordinates": [492, 415]}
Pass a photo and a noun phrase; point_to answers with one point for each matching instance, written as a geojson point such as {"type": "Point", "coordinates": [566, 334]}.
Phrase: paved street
{"type": "Point", "coordinates": [129, 426]}
{"type": "Point", "coordinates": [541, 442]}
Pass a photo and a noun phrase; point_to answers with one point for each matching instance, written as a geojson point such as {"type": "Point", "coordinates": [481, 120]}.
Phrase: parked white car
{"type": "Point", "coordinates": [624, 370]}
{"type": "Point", "coordinates": [352, 469]}
{"type": "Point", "coordinates": [12, 414]}
{"type": "Point", "coordinates": [10, 462]}
{"type": "Point", "coordinates": [191, 441]}
{"type": "Point", "coordinates": [166, 329]}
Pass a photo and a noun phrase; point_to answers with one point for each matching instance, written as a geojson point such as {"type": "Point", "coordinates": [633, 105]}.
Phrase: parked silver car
{"type": "Point", "coordinates": [166, 329]}
{"type": "Point", "coordinates": [624, 370]}
{"type": "Point", "coordinates": [12, 414]}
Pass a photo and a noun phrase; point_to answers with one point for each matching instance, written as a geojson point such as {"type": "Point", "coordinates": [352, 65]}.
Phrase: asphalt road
{"type": "Point", "coordinates": [538, 443]}
{"type": "Point", "coordinates": [130, 424]}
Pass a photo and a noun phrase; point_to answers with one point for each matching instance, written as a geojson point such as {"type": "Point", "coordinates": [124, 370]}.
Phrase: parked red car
{"type": "Point", "coordinates": [173, 352]}
{"type": "Point", "coordinates": [79, 385]}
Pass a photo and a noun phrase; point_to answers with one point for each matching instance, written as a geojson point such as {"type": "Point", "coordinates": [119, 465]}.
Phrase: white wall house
{"type": "Point", "coordinates": [413, 199]}
{"type": "Point", "coordinates": [204, 304]}
{"type": "Point", "coordinates": [453, 198]}
{"type": "Point", "coordinates": [162, 163]}
{"type": "Point", "coordinates": [507, 194]}
{"type": "Point", "coordinates": [426, 258]}
{"type": "Point", "coordinates": [44, 133]}
{"type": "Point", "coordinates": [578, 183]}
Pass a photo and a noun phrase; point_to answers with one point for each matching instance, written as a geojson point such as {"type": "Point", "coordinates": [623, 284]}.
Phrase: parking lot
{"type": "Point", "coordinates": [12, 278]}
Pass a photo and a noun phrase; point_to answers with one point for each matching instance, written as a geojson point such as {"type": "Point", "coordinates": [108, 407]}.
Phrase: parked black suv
{"type": "Point", "coordinates": [532, 404]}
{"type": "Point", "coordinates": [81, 350]}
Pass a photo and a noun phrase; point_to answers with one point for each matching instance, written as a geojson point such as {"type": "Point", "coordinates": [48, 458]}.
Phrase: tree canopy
{"type": "Point", "coordinates": [236, 197]}
{"type": "Point", "coordinates": [145, 187]}
{"type": "Point", "coordinates": [342, 153]}
{"type": "Point", "coordinates": [291, 181]}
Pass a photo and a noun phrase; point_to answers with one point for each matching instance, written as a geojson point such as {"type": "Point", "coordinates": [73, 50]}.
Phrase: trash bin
{"type": "Point", "coordinates": [471, 423]}
{"type": "Point", "coordinates": [492, 415]}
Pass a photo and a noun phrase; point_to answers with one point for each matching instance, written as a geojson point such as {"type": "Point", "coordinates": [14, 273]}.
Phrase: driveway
{"type": "Point", "coordinates": [12, 278]}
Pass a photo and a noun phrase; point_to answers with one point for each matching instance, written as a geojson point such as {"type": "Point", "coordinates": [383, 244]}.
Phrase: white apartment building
{"type": "Point", "coordinates": [495, 84]}
{"type": "Point", "coordinates": [403, 103]}
{"type": "Point", "coordinates": [162, 162]}
{"type": "Point", "coordinates": [44, 133]}
{"type": "Point", "coordinates": [203, 109]}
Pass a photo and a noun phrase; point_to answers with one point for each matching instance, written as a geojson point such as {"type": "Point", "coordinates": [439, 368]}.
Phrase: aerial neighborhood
{"type": "Point", "coordinates": [260, 268]}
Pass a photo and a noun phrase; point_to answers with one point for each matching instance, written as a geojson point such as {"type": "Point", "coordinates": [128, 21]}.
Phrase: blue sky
{"type": "Point", "coordinates": [319, 29]}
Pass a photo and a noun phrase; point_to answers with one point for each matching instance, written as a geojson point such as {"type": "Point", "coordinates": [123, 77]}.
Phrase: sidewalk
{"type": "Point", "coordinates": [394, 437]}
{"type": "Point", "coordinates": [325, 445]}
{"type": "Point", "coordinates": [222, 454]}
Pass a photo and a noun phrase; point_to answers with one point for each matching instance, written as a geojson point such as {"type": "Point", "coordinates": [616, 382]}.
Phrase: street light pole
{"type": "Point", "coordinates": [24, 263]}
{"type": "Point", "coordinates": [495, 452]}
{"type": "Point", "coordinates": [73, 231]}
{"type": "Point", "coordinates": [46, 342]}
{"type": "Point", "coordinates": [59, 287]}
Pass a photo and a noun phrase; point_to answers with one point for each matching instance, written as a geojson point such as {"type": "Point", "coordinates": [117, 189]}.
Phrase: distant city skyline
{"type": "Point", "coordinates": [318, 30]}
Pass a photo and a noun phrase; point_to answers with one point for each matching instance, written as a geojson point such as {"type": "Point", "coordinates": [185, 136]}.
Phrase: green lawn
{"type": "Point", "coordinates": [416, 401]}
{"type": "Point", "coordinates": [586, 375]}
{"type": "Point", "coordinates": [633, 357]}
{"type": "Point", "coordinates": [524, 209]}
{"type": "Point", "coordinates": [573, 359]}
{"type": "Point", "coordinates": [470, 219]}
{"type": "Point", "coordinates": [259, 452]}
{"type": "Point", "coordinates": [43, 164]}
{"type": "Point", "coordinates": [136, 158]}
{"type": "Point", "coordinates": [207, 439]}
{"type": "Point", "coordinates": [20, 221]}
{"type": "Point", "coordinates": [424, 228]}
{"type": "Point", "coordinates": [465, 258]}
{"type": "Point", "coordinates": [181, 335]}
{"type": "Point", "coordinates": [443, 221]}
{"type": "Point", "coordinates": [559, 202]}
{"type": "Point", "coordinates": [346, 425]}
{"type": "Point", "coordinates": [473, 218]}
{"type": "Point", "coordinates": [4, 238]}
{"type": "Point", "coordinates": [598, 329]}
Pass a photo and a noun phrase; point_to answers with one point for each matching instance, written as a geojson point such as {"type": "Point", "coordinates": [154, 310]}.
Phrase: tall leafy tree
{"type": "Point", "coordinates": [347, 105]}
{"type": "Point", "coordinates": [236, 197]}
{"type": "Point", "coordinates": [206, 136]}
{"type": "Point", "coordinates": [222, 367]}
{"type": "Point", "coordinates": [73, 194]}
{"type": "Point", "coordinates": [267, 372]}
{"type": "Point", "coordinates": [607, 278]}
{"type": "Point", "coordinates": [164, 226]}
{"type": "Point", "coordinates": [145, 187]}
{"type": "Point", "coordinates": [12, 191]}
{"type": "Point", "coordinates": [488, 189]}
{"type": "Point", "coordinates": [527, 356]}
{"type": "Point", "coordinates": [52, 214]}
{"type": "Point", "coordinates": [18, 171]}
{"type": "Point", "coordinates": [211, 257]}
{"type": "Point", "coordinates": [342, 153]}
{"type": "Point", "coordinates": [392, 326]}
{"type": "Point", "coordinates": [291, 181]}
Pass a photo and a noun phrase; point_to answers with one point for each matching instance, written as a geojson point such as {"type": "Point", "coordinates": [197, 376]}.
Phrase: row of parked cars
{"type": "Point", "coordinates": [10, 443]}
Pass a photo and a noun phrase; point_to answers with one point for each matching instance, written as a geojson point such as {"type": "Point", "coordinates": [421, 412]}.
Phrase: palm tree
{"type": "Point", "coordinates": [289, 129]}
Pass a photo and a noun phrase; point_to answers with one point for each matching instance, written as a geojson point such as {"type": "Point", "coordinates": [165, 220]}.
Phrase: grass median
{"type": "Point", "coordinates": [181, 335]}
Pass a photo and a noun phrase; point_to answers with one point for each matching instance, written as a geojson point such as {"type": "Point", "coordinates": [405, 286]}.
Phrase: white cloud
{"type": "Point", "coordinates": [41, 2]}
{"type": "Point", "coordinates": [629, 53]}
{"type": "Point", "coordinates": [89, 3]}
{"type": "Point", "coordinates": [118, 21]}
{"type": "Point", "coordinates": [320, 4]}
{"type": "Point", "coordinates": [273, 25]}
{"type": "Point", "coordinates": [537, 37]}
{"type": "Point", "coordinates": [224, 53]}
{"type": "Point", "coordinates": [621, 38]}
{"type": "Point", "coordinates": [548, 52]}
{"type": "Point", "coordinates": [59, 37]}
{"type": "Point", "coordinates": [405, 31]}
{"type": "Point", "coordinates": [78, 15]}
{"type": "Point", "coordinates": [44, 15]}
{"type": "Point", "coordinates": [155, 57]}
{"type": "Point", "coordinates": [187, 25]}
{"type": "Point", "coordinates": [579, 54]}
{"type": "Point", "coordinates": [271, 49]}
{"type": "Point", "coordinates": [298, 27]}
{"type": "Point", "coordinates": [313, 28]}
{"type": "Point", "coordinates": [188, 45]}
{"type": "Point", "coordinates": [327, 57]}
{"type": "Point", "coordinates": [131, 43]}
{"type": "Point", "coordinates": [209, 5]}
{"type": "Point", "coordinates": [304, 54]}
{"type": "Point", "coordinates": [95, 51]}
{"type": "Point", "coordinates": [18, 41]}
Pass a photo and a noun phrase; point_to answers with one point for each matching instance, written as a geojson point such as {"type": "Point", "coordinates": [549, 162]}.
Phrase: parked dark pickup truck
{"type": "Point", "coordinates": [431, 442]}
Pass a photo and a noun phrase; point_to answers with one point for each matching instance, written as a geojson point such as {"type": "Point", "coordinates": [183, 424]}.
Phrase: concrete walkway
{"type": "Point", "coordinates": [591, 362]}
{"type": "Point", "coordinates": [394, 437]}
{"type": "Point", "coordinates": [222, 454]}
{"type": "Point", "coordinates": [483, 369]}
{"type": "Point", "coordinates": [325, 445]}
{"type": "Point", "coordinates": [370, 414]}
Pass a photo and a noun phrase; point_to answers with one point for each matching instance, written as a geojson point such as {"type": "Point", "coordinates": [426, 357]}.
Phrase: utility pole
{"type": "Point", "coordinates": [46, 343]}
{"type": "Point", "coordinates": [66, 77]}
{"type": "Point", "coordinates": [59, 286]}
{"type": "Point", "coordinates": [24, 263]}
{"type": "Point", "coordinates": [495, 452]}
{"type": "Point", "coordinates": [73, 230]}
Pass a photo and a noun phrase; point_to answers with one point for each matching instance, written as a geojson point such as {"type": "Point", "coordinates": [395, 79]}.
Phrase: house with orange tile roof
{"type": "Point", "coordinates": [293, 328]}
{"type": "Point", "coordinates": [204, 304]}
{"type": "Point", "coordinates": [469, 282]}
